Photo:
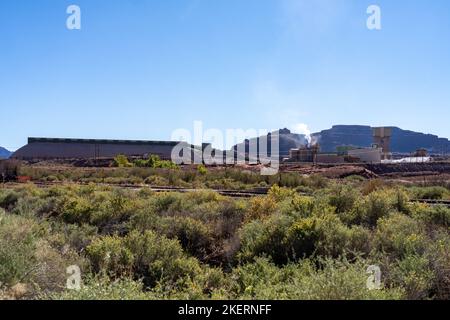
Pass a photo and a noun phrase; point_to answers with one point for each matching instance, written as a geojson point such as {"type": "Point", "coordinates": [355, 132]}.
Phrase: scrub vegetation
{"type": "Point", "coordinates": [308, 238]}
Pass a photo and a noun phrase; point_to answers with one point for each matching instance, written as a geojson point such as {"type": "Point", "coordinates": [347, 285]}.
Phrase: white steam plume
{"type": "Point", "coordinates": [301, 128]}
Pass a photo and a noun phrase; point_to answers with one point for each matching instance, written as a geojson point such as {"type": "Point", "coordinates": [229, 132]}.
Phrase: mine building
{"type": "Point", "coordinates": [52, 148]}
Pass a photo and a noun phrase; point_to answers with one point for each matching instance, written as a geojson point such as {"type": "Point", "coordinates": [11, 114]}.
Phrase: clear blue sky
{"type": "Point", "coordinates": [139, 69]}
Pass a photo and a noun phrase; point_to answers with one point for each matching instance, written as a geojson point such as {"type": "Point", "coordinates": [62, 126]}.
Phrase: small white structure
{"type": "Point", "coordinates": [410, 160]}
{"type": "Point", "coordinates": [368, 155]}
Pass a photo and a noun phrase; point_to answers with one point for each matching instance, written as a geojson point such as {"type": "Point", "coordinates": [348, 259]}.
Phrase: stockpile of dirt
{"type": "Point", "coordinates": [410, 169]}
{"type": "Point", "coordinates": [333, 172]}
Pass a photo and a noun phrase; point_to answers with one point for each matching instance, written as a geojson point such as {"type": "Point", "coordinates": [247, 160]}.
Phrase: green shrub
{"type": "Point", "coordinates": [121, 161]}
{"type": "Point", "coordinates": [77, 237]}
{"type": "Point", "coordinates": [302, 237]}
{"type": "Point", "coordinates": [8, 199]}
{"type": "Point", "coordinates": [399, 235]}
{"type": "Point", "coordinates": [260, 208]}
{"type": "Point", "coordinates": [414, 275]}
{"type": "Point", "coordinates": [149, 256]}
{"type": "Point", "coordinates": [378, 204]}
{"type": "Point", "coordinates": [18, 241]}
{"type": "Point", "coordinates": [435, 215]}
{"type": "Point", "coordinates": [279, 194]}
{"type": "Point", "coordinates": [103, 288]}
{"type": "Point", "coordinates": [77, 210]}
{"type": "Point", "coordinates": [201, 169]}
{"type": "Point", "coordinates": [433, 193]}
{"type": "Point", "coordinates": [266, 238]}
{"type": "Point", "coordinates": [334, 280]}
{"type": "Point", "coordinates": [438, 255]}
{"type": "Point", "coordinates": [194, 236]}
{"type": "Point", "coordinates": [158, 259]}
{"type": "Point", "coordinates": [28, 260]}
{"type": "Point", "coordinates": [141, 244]}
{"type": "Point", "coordinates": [343, 198]}
{"type": "Point", "coordinates": [156, 181]}
{"type": "Point", "coordinates": [334, 239]}
{"type": "Point", "coordinates": [288, 238]}
{"type": "Point", "coordinates": [299, 206]}
{"type": "Point", "coordinates": [109, 255]}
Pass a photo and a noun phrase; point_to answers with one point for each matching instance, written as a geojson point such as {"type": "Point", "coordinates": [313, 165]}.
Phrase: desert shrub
{"type": "Point", "coordinates": [260, 208]}
{"type": "Point", "coordinates": [377, 204]}
{"type": "Point", "coordinates": [315, 182]}
{"type": "Point", "coordinates": [355, 179]}
{"type": "Point", "coordinates": [104, 209]}
{"type": "Point", "coordinates": [27, 259]}
{"type": "Point", "coordinates": [399, 235]}
{"type": "Point", "coordinates": [434, 215]}
{"type": "Point", "coordinates": [8, 199]}
{"type": "Point", "coordinates": [108, 255]}
{"type": "Point", "coordinates": [438, 255]}
{"type": "Point", "coordinates": [77, 237]}
{"type": "Point", "coordinates": [304, 189]}
{"type": "Point", "coordinates": [156, 181]}
{"type": "Point", "coordinates": [194, 236]}
{"type": "Point", "coordinates": [334, 280]}
{"type": "Point", "coordinates": [159, 259]}
{"type": "Point", "coordinates": [334, 239]}
{"type": "Point", "coordinates": [111, 209]}
{"type": "Point", "coordinates": [372, 185]}
{"type": "Point", "coordinates": [201, 169]}
{"type": "Point", "coordinates": [49, 273]}
{"type": "Point", "coordinates": [121, 161]}
{"type": "Point", "coordinates": [231, 216]}
{"type": "Point", "coordinates": [290, 180]}
{"type": "Point", "coordinates": [279, 194]}
{"type": "Point", "coordinates": [18, 240]}
{"type": "Point", "coordinates": [166, 164]}
{"type": "Point", "coordinates": [414, 275]}
{"type": "Point", "coordinates": [266, 238]}
{"type": "Point", "coordinates": [433, 193]}
{"type": "Point", "coordinates": [401, 201]}
{"type": "Point", "coordinates": [103, 288]}
{"type": "Point", "coordinates": [77, 209]}
{"type": "Point", "coordinates": [149, 256]}
{"type": "Point", "coordinates": [52, 178]}
{"type": "Point", "coordinates": [299, 206]}
{"type": "Point", "coordinates": [203, 196]}
{"type": "Point", "coordinates": [163, 245]}
{"type": "Point", "coordinates": [144, 219]}
{"type": "Point", "coordinates": [287, 238]}
{"type": "Point", "coordinates": [343, 198]}
{"type": "Point", "coordinates": [163, 201]}
{"type": "Point", "coordinates": [120, 180]}
{"type": "Point", "coordinates": [28, 205]}
{"type": "Point", "coordinates": [302, 238]}
{"type": "Point", "coordinates": [209, 284]}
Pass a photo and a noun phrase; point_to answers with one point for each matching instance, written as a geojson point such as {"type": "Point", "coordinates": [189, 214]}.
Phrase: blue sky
{"type": "Point", "coordinates": [139, 69]}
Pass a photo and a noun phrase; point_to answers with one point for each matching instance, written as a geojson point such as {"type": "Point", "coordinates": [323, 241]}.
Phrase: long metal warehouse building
{"type": "Point", "coordinates": [49, 148]}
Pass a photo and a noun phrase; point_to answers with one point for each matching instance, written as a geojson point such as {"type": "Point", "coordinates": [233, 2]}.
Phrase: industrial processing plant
{"type": "Point", "coordinates": [303, 152]}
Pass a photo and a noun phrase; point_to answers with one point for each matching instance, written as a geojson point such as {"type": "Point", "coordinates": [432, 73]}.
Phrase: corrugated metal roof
{"type": "Point", "coordinates": [100, 141]}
